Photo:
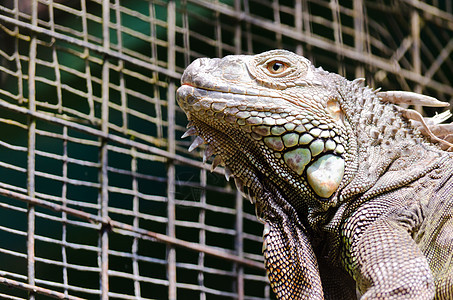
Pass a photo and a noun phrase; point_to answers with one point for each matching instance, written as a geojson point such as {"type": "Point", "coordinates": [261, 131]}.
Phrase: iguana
{"type": "Point", "coordinates": [356, 192]}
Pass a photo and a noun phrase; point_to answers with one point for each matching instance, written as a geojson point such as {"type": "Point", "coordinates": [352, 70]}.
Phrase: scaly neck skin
{"type": "Point", "coordinates": [387, 151]}
{"type": "Point", "coordinates": [386, 143]}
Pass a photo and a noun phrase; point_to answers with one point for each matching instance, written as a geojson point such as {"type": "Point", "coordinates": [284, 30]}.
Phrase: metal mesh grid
{"type": "Point", "coordinates": [100, 198]}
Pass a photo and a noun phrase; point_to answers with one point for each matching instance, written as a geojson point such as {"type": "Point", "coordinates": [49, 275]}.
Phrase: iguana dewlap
{"type": "Point", "coordinates": [355, 192]}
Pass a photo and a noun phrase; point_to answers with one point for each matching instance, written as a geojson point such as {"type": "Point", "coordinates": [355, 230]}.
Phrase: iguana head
{"type": "Point", "coordinates": [272, 118]}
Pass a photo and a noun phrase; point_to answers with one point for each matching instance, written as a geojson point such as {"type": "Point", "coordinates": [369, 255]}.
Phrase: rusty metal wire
{"type": "Point", "coordinates": [99, 197]}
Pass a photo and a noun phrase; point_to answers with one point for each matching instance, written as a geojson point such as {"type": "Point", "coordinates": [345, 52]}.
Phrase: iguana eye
{"type": "Point", "coordinates": [276, 67]}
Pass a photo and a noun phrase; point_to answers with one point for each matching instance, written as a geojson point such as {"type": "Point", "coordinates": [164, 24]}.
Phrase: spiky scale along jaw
{"type": "Point", "coordinates": [313, 151]}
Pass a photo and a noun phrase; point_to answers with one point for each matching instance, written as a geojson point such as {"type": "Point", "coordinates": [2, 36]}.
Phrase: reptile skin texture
{"type": "Point", "coordinates": [355, 191]}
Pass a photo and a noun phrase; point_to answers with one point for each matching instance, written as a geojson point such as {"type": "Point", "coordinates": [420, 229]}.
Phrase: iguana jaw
{"type": "Point", "coordinates": [243, 162]}
{"type": "Point", "coordinates": [225, 147]}
{"type": "Point", "coordinates": [273, 146]}
{"type": "Point", "coordinates": [232, 147]}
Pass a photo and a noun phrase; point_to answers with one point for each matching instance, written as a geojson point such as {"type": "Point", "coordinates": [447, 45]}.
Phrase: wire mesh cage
{"type": "Point", "coordinates": [99, 196]}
